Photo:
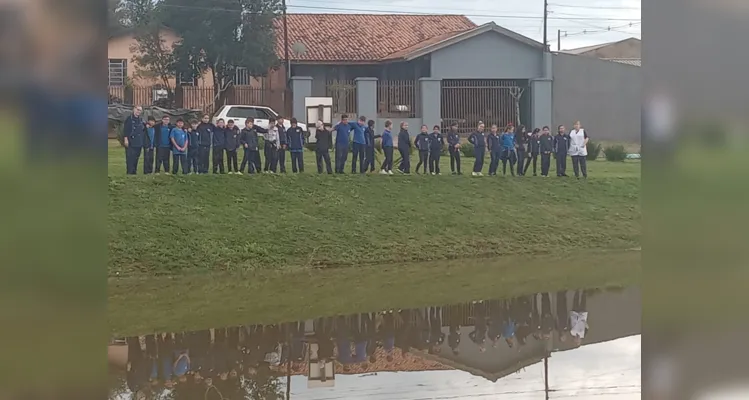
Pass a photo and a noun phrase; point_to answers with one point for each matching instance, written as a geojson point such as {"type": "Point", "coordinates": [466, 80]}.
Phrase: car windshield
{"type": "Point", "coordinates": [247, 112]}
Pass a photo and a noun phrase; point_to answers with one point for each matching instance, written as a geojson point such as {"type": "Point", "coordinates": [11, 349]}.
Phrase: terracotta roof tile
{"type": "Point", "coordinates": [364, 37]}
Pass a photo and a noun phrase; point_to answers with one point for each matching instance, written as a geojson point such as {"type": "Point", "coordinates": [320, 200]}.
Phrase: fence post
{"type": "Point", "coordinates": [430, 93]}
{"type": "Point", "coordinates": [366, 97]}
{"type": "Point", "coordinates": [301, 88]}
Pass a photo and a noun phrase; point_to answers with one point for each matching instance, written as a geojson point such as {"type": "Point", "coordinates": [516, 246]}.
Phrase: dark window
{"type": "Point", "coordinates": [247, 112]}
{"type": "Point", "coordinates": [117, 72]}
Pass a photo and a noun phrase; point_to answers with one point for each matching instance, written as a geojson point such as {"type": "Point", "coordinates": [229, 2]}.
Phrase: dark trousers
{"type": "Point", "coordinates": [369, 164]}
{"type": "Point", "coordinates": [231, 160]}
{"type": "Point", "coordinates": [387, 165]}
{"type": "Point", "coordinates": [193, 160]}
{"type": "Point", "coordinates": [580, 164]}
{"type": "Point", "coordinates": [218, 160]}
{"type": "Point", "coordinates": [521, 162]}
{"type": "Point", "coordinates": [203, 156]}
{"type": "Point", "coordinates": [358, 154]}
{"type": "Point", "coordinates": [297, 161]}
{"type": "Point", "coordinates": [545, 164]}
{"type": "Point", "coordinates": [511, 156]}
{"type": "Point", "coordinates": [162, 159]}
{"type": "Point", "coordinates": [478, 164]}
{"type": "Point", "coordinates": [271, 158]}
{"type": "Point", "coordinates": [148, 160]}
{"type": "Point", "coordinates": [423, 160]}
{"type": "Point", "coordinates": [533, 157]}
{"type": "Point", "coordinates": [341, 155]}
{"type": "Point", "coordinates": [454, 160]}
{"type": "Point", "coordinates": [132, 154]}
{"type": "Point", "coordinates": [494, 156]}
{"type": "Point", "coordinates": [179, 159]}
{"type": "Point", "coordinates": [281, 157]}
{"type": "Point", "coordinates": [405, 165]}
{"type": "Point", "coordinates": [251, 159]}
{"type": "Point", "coordinates": [562, 164]}
{"type": "Point", "coordinates": [323, 155]}
{"type": "Point", "coordinates": [434, 162]}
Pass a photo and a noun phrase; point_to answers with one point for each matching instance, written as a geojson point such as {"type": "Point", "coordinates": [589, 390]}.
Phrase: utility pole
{"type": "Point", "coordinates": [286, 42]}
{"type": "Point", "coordinates": [546, 377]}
{"type": "Point", "coordinates": [546, 22]}
{"type": "Point", "coordinates": [559, 40]}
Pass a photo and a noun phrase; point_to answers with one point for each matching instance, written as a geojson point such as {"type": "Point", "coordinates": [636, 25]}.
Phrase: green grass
{"type": "Point", "coordinates": [162, 225]}
{"type": "Point", "coordinates": [198, 301]}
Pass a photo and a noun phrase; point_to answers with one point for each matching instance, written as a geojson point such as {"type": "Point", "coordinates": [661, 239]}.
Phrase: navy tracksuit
{"type": "Point", "coordinates": [323, 143]}
{"type": "Point", "coordinates": [545, 147]}
{"type": "Point", "coordinates": [193, 152]}
{"type": "Point", "coordinates": [435, 151]}
{"type": "Point", "coordinates": [387, 148]}
{"type": "Point", "coordinates": [521, 138]}
{"type": "Point", "coordinates": [495, 152]}
{"type": "Point", "coordinates": [295, 138]}
{"type": "Point", "coordinates": [148, 151]}
{"type": "Point", "coordinates": [404, 147]}
{"type": "Point", "coordinates": [206, 131]}
{"type": "Point", "coordinates": [453, 139]}
{"type": "Point", "coordinates": [360, 144]}
{"type": "Point", "coordinates": [422, 144]}
{"type": "Point", "coordinates": [561, 146]}
{"type": "Point", "coordinates": [369, 136]}
{"type": "Point", "coordinates": [219, 144]}
{"type": "Point", "coordinates": [135, 131]}
{"type": "Point", "coordinates": [163, 146]}
{"type": "Point", "coordinates": [248, 139]}
{"type": "Point", "coordinates": [232, 145]}
{"type": "Point", "coordinates": [478, 139]}
{"type": "Point", "coordinates": [283, 143]}
{"type": "Point", "coordinates": [341, 146]}
{"type": "Point", "coordinates": [534, 149]}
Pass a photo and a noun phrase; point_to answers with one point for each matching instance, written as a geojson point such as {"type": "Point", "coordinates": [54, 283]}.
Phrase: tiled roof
{"type": "Point", "coordinates": [363, 37]}
{"type": "Point", "coordinates": [637, 62]}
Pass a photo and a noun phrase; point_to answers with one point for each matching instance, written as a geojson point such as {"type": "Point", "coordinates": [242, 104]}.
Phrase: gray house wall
{"type": "Point", "coordinates": [605, 96]}
{"type": "Point", "coordinates": [487, 56]}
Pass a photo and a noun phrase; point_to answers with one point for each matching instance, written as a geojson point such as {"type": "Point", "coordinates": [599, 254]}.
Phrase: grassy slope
{"type": "Point", "coordinates": [197, 301]}
{"type": "Point", "coordinates": [168, 224]}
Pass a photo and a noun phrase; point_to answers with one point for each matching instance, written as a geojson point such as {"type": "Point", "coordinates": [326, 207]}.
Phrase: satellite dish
{"type": "Point", "coordinates": [298, 48]}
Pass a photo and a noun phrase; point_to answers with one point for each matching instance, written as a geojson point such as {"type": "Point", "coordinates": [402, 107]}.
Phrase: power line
{"type": "Point", "coordinates": [594, 7]}
{"type": "Point", "coordinates": [528, 17]}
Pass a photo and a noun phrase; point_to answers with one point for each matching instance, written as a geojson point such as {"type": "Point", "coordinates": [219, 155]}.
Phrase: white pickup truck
{"type": "Point", "coordinates": [239, 113]}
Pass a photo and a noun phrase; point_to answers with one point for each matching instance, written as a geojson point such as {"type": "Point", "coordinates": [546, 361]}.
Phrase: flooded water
{"type": "Point", "coordinates": [581, 343]}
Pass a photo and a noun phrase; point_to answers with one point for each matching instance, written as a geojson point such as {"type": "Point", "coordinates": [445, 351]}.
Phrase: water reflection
{"type": "Point", "coordinates": [387, 350]}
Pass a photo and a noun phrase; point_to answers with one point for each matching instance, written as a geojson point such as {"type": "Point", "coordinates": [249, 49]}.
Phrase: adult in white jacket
{"type": "Point", "coordinates": [578, 150]}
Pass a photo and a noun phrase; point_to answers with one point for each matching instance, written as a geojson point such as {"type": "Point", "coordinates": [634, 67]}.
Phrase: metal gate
{"type": "Point", "coordinates": [491, 101]}
{"type": "Point", "coordinates": [343, 93]}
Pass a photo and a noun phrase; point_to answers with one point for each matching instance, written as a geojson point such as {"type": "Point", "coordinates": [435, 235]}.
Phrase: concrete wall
{"type": "Point", "coordinates": [487, 56]}
{"type": "Point", "coordinates": [605, 96]}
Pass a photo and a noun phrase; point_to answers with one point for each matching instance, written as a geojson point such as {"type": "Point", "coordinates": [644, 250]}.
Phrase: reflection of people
{"type": "Point", "coordinates": [562, 320]}
{"type": "Point", "coordinates": [478, 335]}
{"type": "Point", "coordinates": [547, 318]}
{"type": "Point", "coordinates": [579, 317]}
{"type": "Point", "coordinates": [387, 333]}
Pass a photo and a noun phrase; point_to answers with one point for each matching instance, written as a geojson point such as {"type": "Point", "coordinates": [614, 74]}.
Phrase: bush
{"type": "Point", "coordinates": [467, 149]}
{"type": "Point", "coordinates": [594, 150]}
{"type": "Point", "coordinates": [615, 153]}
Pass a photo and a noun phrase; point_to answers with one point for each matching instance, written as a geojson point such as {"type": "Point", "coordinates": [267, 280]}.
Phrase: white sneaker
{"type": "Point", "coordinates": [240, 173]}
{"type": "Point", "coordinates": [474, 174]}
{"type": "Point", "coordinates": [383, 172]}
{"type": "Point", "coordinates": [481, 174]}
{"type": "Point", "coordinates": [432, 173]}
{"type": "Point", "coordinates": [390, 172]}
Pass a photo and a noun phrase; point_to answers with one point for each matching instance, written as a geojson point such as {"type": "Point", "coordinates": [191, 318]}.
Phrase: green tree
{"type": "Point", "coordinates": [218, 38]}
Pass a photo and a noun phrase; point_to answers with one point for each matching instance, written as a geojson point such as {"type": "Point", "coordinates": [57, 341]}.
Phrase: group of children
{"type": "Point", "coordinates": [190, 146]}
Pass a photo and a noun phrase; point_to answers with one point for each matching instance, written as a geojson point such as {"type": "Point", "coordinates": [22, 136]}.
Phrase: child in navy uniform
{"type": "Point", "coordinates": [404, 148]}
{"type": "Point", "coordinates": [387, 148]}
{"type": "Point", "coordinates": [148, 146]}
{"type": "Point", "coordinates": [219, 144]}
{"type": "Point", "coordinates": [478, 140]}
{"type": "Point", "coordinates": [422, 144]}
{"type": "Point", "coordinates": [509, 152]}
{"type": "Point", "coordinates": [435, 150]}
{"type": "Point", "coordinates": [453, 146]}
{"type": "Point", "coordinates": [248, 139]}
{"type": "Point", "coordinates": [283, 145]}
{"type": "Point", "coordinates": [206, 130]}
{"type": "Point", "coordinates": [495, 150]}
{"type": "Point", "coordinates": [534, 149]}
{"type": "Point", "coordinates": [561, 147]}
{"type": "Point", "coordinates": [232, 145]}
{"type": "Point", "coordinates": [193, 151]}
{"type": "Point", "coordinates": [180, 141]}
{"type": "Point", "coordinates": [369, 137]}
{"type": "Point", "coordinates": [295, 140]}
{"type": "Point", "coordinates": [323, 144]}
{"type": "Point", "coordinates": [546, 147]}
{"type": "Point", "coordinates": [163, 144]}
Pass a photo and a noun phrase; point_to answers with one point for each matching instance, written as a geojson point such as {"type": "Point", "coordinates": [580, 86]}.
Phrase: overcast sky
{"type": "Point", "coordinates": [603, 371]}
{"type": "Point", "coordinates": [574, 17]}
